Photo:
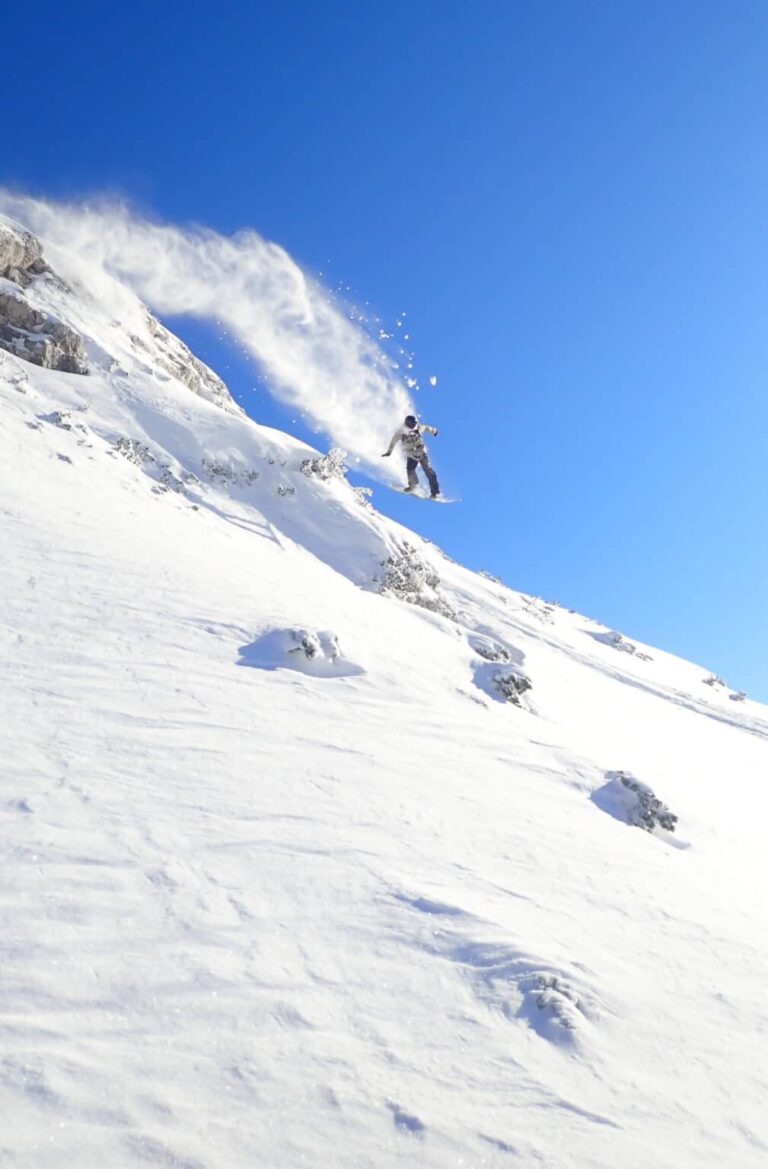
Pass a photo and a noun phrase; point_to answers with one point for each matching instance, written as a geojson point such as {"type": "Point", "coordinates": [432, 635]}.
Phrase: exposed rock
{"type": "Point", "coordinates": [409, 577]}
{"type": "Point", "coordinates": [627, 799]}
{"type": "Point", "coordinates": [36, 336]}
{"type": "Point", "coordinates": [173, 356]}
{"type": "Point", "coordinates": [511, 685]}
{"type": "Point", "coordinates": [21, 255]}
{"type": "Point", "coordinates": [330, 466]}
{"type": "Point", "coordinates": [26, 331]}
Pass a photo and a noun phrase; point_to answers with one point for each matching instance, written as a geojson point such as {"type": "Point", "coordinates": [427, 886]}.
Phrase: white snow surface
{"type": "Point", "coordinates": [264, 906]}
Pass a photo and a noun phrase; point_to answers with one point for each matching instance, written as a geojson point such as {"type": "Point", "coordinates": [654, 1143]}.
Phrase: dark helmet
{"type": "Point", "coordinates": [410, 421]}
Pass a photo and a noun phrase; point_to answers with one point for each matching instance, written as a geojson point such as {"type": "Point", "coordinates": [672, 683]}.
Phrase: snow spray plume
{"type": "Point", "coordinates": [315, 359]}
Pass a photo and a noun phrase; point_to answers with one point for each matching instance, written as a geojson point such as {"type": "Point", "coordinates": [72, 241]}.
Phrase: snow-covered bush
{"type": "Point", "coordinates": [559, 998]}
{"type": "Point", "coordinates": [165, 479]}
{"type": "Point", "coordinates": [222, 473]}
{"type": "Point", "coordinates": [713, 681]}
{"type": "Point", "coordinates": [286, 492]}
{"type": "Point", "coordinates": [409, 577]}
{"type": "Point", "coordinates": [619, 642]}
{"type": "Point", "coordinates": [315, 645]}
{"type": "Point", "coordinates": [169, 481]}
{"type": "Point", "coordinates": [60, 418]}
{"type": "Point", "coordinates": [330, 466]}
{"type": "Point", "coordinates": [218, 472]}
{"type": "Point", "coordinates": [310, 651]}
{"type": "Point", "coordinates": [738, 696]}
{"type": "Point", "coordinates": [134, 452]}
{"type": "Point", "coordinates": [363, 497]}
{"type": "Point", "coordinates": [511, 685]}
{"type": "Point", "coordinates": [491, 650]}
{"type": "Point", "coordinates": [539, 609]}
{"type": "Point", "coordinates": [634, 802]}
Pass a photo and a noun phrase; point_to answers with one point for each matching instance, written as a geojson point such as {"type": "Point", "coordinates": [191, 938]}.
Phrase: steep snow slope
{"type": "Point", "coordinates": [351, 909]}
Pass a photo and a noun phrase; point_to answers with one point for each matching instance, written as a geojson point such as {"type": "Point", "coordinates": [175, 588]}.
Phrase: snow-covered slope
{"type": "Point", "coordinates": [286, 880]}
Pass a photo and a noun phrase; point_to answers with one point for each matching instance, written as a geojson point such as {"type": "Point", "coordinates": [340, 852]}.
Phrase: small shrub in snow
{"type": "Point", "coordinates": [619, 642]}
{"type": "Point", "coordinates": [63, 419]}
{"type": "Point", "coordinates": [363, 497]}
{"type": "Point", "coordinates": [170, 481]}
{"type": "Point", "coordinates": [511, 685]}
{"type": "Point", "coordinates": [309, 651]}
{"type": "Point", "coordinates": [311, 645]}
{"type": "Point", "coordinates": [218, 472]}
{"type": "Point", "coordinates": [492, 651]}
{"type": "Point", "coordinates": [60, 418]}
{"type": "Point", "coordinates": [738, 696]}
{"type": "Point", "coordinates": [221, 473]}
{"type": "Point", "coordinates": [134, 452]}
{"type": "Point", "coordinates": [713, 681]}
{"type": "Point", "coordinates": [18, 378]}
{"type": "Point", "coordinates": [539, 609]}
{"type": "Point", "coordinates": [330, 466]}
{"type": "Point", "coordinates": [410, 578]}
{"type": "Point", "coordinates": [490, 576]}
{"type": "Point", "coordinates": [559, 998]}
{"type": "Point", "coordinates": [642, 807]}
{"type": "Point", "coordinates": [139, 454]}
{"type": "Point", "coordinates": [286, 492]}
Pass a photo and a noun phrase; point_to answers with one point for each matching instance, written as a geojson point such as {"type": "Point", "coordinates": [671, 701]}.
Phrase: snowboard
{"type": "Point", "coordinates": [424, 495]}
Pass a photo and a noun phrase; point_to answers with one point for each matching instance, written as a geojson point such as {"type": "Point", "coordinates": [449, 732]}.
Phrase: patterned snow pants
{"type": "Point", "coordinates": [427, 468]}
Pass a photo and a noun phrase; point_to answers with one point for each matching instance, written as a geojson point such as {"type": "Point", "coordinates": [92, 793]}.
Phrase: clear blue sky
{"type": "Point", "coordinates": [569, 200]}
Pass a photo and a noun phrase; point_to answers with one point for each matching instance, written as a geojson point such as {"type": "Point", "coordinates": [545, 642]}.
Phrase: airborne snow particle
{"type": "Point", "coordinates": [433, 381]}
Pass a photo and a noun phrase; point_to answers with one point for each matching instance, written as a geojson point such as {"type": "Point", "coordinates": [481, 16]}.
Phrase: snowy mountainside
{"type": "Point", "coordinates": [300, 872]}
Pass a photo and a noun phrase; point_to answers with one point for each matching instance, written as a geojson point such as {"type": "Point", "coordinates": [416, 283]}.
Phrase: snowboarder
{"type": "Point", "coordinates": [409, 434]}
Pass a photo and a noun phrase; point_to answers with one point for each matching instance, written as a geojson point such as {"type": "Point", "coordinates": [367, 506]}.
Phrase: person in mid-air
{"type": "Point", "coordinates": [415, 449]}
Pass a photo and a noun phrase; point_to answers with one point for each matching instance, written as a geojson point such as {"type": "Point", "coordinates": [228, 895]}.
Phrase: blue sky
{"type": "Point", "coordinates": [569, 200]}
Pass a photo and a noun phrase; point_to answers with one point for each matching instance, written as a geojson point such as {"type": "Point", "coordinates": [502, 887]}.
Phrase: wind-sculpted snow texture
{"type": "Point", "coordinates": [284, 883]}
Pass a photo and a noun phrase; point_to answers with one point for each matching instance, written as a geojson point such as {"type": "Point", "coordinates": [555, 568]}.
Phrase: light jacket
{"type": "Point", "coordinates": [413, 444]}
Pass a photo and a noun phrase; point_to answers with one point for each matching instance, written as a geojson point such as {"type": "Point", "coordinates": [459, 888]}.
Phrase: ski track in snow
{"type": "Point", "coordinates": [253, 915]}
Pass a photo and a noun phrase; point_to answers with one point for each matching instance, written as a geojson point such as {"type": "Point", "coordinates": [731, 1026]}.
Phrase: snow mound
{"type": "Point", "coordinates": [314, 652]}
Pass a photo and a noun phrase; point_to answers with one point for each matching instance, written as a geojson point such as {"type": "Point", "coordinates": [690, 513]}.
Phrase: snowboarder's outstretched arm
{"type": "Point", "coordinates": [428, 429]}
{"type": "Point", "coordinates": [396, 438]}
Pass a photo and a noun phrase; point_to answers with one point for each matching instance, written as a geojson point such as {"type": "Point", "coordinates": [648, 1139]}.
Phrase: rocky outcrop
{"type": "Point", "coordinates": [36, 336]}
{"type": "Point", "coordinates": [25, 331]}
{"type": "Point", "coordinates": [21, 256]}
{"type": "Point", "coordinates": [173, 357]}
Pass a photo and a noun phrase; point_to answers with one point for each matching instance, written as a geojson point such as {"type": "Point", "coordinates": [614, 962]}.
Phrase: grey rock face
{"type": "Point", "coordinates": [21, 256]}
{"type": "Point", "coordinates": [25, 331]}
{"type": "Point", "coordinates": [37, 337]}
{"type": "Point", "coordinates": [173, 356]}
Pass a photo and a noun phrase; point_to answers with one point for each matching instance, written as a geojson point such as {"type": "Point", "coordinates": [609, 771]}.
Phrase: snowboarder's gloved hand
{"type": "Point", "coordinates": [386, 454]}
{"type": "Point", "coordinates": [436, 433]}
